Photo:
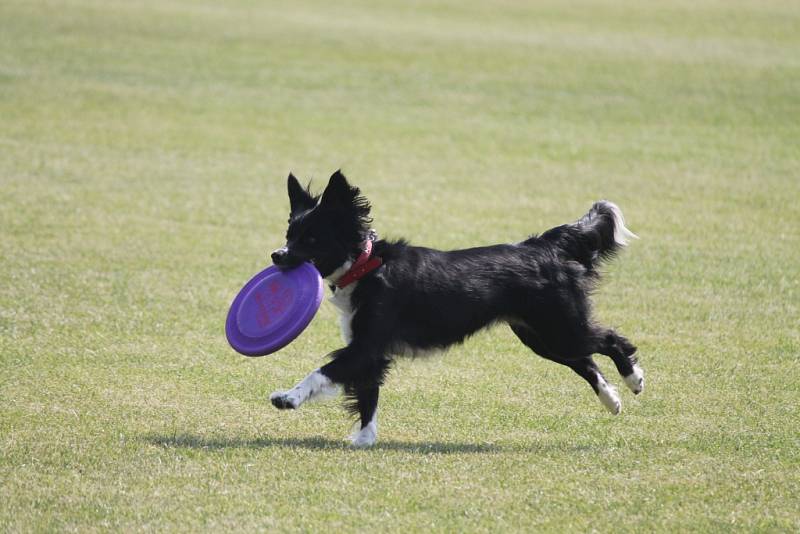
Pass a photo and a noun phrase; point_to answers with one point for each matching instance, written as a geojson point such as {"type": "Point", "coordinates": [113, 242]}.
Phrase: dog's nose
{"type": "Point", "coordinates": [279, 256]}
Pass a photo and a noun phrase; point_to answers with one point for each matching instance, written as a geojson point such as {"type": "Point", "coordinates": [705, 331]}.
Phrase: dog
{"type": "Point", "coordinates": [396, 299]}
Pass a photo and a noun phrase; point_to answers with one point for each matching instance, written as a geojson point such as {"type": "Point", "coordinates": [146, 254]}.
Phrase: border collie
{"type": "Point", "coordinates": [397, 299]}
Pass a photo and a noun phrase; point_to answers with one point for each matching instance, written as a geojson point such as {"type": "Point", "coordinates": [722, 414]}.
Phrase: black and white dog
{"type": "Point", "coordinates": [397, 299]}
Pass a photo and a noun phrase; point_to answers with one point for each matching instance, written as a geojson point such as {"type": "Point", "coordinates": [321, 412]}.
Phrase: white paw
{"type": "Point", "coordinates": [365, 437]}
{"type": "Point", "coordinates": [609, 397]}
{"type": "Point", "coordinates": [284, 400]}
{"type": "Point", "coordinates": [635, 380]}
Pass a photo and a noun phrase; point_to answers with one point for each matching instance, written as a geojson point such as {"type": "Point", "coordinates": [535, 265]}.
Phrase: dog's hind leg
{"type": "Point", "coordinates": [623, 352]}
{"type": "Point", "coordinates": [607, 393]}
{"type": "Point", "coordinates": [315, 385]}
{"type": "Point", "coordinates": [585, 367]}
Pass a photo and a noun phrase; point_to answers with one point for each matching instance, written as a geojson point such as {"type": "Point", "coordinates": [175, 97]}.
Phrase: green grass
{"type": "Point", "coordinates": [143, 154]}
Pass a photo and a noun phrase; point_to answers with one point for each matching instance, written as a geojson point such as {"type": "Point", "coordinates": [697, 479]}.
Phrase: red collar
{"type": "Point", "coordinates": [364, 264]}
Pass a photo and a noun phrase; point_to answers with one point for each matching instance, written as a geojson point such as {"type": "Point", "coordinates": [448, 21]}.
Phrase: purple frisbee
{"type": "Point", "coordinates": [273, 308]}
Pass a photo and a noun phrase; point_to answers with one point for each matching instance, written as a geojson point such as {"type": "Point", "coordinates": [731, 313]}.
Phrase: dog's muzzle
{"type": "Point", "coordinates": [284, 259]}
{"type": "Point", "coordinates": [280, 256]}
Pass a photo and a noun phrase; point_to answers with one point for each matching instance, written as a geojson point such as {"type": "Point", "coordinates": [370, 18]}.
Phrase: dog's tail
{"type": "Point", "coordinates": [595, 237]}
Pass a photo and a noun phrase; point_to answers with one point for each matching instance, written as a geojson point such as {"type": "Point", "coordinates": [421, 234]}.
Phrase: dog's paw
{"type": "Point", "coordinates": [283, 400]}
{"type": "Point", "coordinates": [366, 437]}
{"type": "Point", "coordinates": [609, 397]}
{"type": "Point", "coordinates": [635, 380]}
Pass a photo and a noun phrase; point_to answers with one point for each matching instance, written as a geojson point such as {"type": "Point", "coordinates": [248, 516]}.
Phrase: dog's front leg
{"type": "Point", "coordinates": [367, 404]}
{"type": "Point", "coordinates": [315, 385]}
{"type": "Point", "coordinates": [360, 369]}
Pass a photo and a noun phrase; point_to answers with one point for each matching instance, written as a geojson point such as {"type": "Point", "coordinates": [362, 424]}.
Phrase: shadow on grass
{"type": "Point", "coordinates": [186, 441]}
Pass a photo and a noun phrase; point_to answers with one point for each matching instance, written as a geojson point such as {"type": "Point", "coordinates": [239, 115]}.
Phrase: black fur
{"type": "Point", "coordinates": [423, 298]}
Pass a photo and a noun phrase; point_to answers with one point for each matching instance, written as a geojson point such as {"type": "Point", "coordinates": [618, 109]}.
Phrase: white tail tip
{"type": "Point", "coordinates": [621, 233]}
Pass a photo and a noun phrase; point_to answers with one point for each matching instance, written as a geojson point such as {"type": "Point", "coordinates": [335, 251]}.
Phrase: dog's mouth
{"type": "Point", "coordinates": [288, 265]}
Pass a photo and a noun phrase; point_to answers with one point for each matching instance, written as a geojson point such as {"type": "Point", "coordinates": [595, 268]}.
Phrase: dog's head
{"type": "Point", "coordinates": [326, 230]}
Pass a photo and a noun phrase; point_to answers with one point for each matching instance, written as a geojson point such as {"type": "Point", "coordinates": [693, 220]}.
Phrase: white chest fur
{"type": "Point", "coordinates": [341, 299]}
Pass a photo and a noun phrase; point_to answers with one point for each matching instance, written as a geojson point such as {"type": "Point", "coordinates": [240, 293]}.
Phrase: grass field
{"type": "Point", "coordinates": [143, 153]}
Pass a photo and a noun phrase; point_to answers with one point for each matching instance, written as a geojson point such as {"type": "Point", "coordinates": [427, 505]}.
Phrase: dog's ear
{"type": "Point", "coordinates": [341, 196]}
{"type": "Point", "coordinates": [338, 192]}
{"type": "Point", "coordinates": [299, 199]}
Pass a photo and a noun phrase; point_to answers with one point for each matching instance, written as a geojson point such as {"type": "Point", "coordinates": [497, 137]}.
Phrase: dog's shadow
{"type": "Point", "coordinates": [189, 441]}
